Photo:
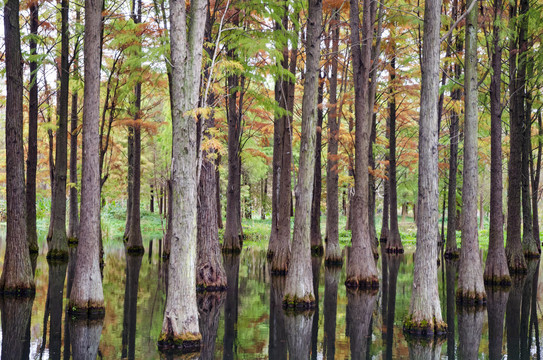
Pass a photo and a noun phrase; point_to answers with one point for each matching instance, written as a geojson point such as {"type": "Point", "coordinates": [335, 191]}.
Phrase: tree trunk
{"type": "Point", "coordinates": [218, 191]}
{"type": "Point", "coordinates": [331, 281]}
{"type": "Point", "coordinates": [73, 226]}
{"type": "Point", "coordinates": [361, 269]}
{"type": "Point", "coordinates": [299, 288]}
{"type": "Point", "coordinates": [180, 326]}
{"type": "Point", "coordinates": [152, 199]}
{"type": "Point", "coordinates": [58, 244]}
{"type": "Point", "coordinates": [536, 175]}
{"type": "Point", "coordinates": [17, 275]}
{"type": "Point", "coordinates": [371, 182]}
{"type": "Point", "coordinates": [168, 235]}
{"type": "Point", "coordinates": [16, 315]}
{"type": "Point", "coordinates": [133, 266]}
{"type": "Point", "coordinates": [425, 310]}
{"type": "Point", "coordinates": [471, 288]}
{"type": "Point", "coordinates": [496, 270]}
{"type": "Point", "coordinates": [496, 301]}
{"type": "Point", "coordinates": [333, 250]}
{"type": "Point", "coordinates": [87, 297]}
{"type": "Point", "coordinates": [513, 248]}
{"type": "Point", "coordinates": [394, 240]}
{"type": "Point", "coordinates": [385, 228]}
{"type": "Point", "coordinates": [360, 305]}
{"type": "Point", "coordinates": [32, 157]}
{"type": "Point", "coordinates": [315, 231]}
{"type": "Point", "coordinates": [279, 244]}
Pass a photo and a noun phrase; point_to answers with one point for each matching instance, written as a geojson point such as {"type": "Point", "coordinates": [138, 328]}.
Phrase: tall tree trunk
{"type": "Point", "coordinates": [496, 270]}
{"type": "Point", "coordinates": [333, 250]}
{"type": "Point", "coordinates": [32, 157]}
{"type": "Point", "coordinates": [315, 231]}
{"type": "Point", "coordinates": [535, 178]}
{"type": "Point", "coordinates": [180, 326]}
{"type": "Point", "coordinates": [133, 238]}
{"type": "Point", "coordinates": [394, 240]}
{"type": "Point", "coordinates": [17, 275]}
{"type": "Point", "coordinates": [425, 310]}
{"type": "Point", "coordinates": [218, 191]}
{"type": "Point", "coordinates": [299, 288]}
{"type": "Point", "coordinates": [73, 226]}
{"type": "Point", "coordinates": [279, 244]}
{"type": "Point", "coordinates": [361, 269]}
{"type": "Point", "coordinates": [371, 182]}
{"type": "Point", "coordinates": [471, 288]}
{"type": "Point", "coordinates": [513, 248]}
{"type": "Point", "coordinates": [152, 198]}
{"type": "Point", "coordinates": [58, 244]}
{"type": "Point", "coordinates": [86, 296]}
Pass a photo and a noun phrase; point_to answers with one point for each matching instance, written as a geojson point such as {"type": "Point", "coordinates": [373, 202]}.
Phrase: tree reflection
{"type": "Point", "coordinates": [450, 268]}
{"type": "Point", "coordinates": [316, 262]}
{"type": "Point", "coordinates": [85, 338]}
{"type": "Point", "coordinates": [470, 329]}
{"type": "Point", "coordinates": [360, 305]}
{"type": "Point", "coordinates": [231, 267]}
{"type": "Point", "coordinates": [278, 340]}
{"type": "Point", "coordinates": [57, 275]}
{"type": "Point", "coordinates": [298, 327]}
{"type": "Point", "coordinates": [393, 262]}
{"type": "Point", "coordinates": [16, 314]}
{"type": "Point", "coordinates": [496, 302]}
{"type": "Point", "coordinates": [209, 306]}
{"type": "Point", "coordinates": [331, 281]}
{"type": "Point", "coordinates": [133, 266]}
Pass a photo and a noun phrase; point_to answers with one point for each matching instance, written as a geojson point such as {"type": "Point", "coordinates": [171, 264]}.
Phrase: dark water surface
{"type": "Point", "coordinates": [248, 322]}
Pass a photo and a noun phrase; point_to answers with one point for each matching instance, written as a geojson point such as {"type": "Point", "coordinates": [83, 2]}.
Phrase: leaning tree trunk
{"type": "Point", "coordinates": [315, 229]}
{"type": "Point", "coordinates": [333, 250]}
{"type": "Point", "coordinates": [513, 248]}
{"type": "Point", "coordinates": [471, 288]}
{"type": "Point", "coordinates": [299, 287]}
{"type": "Point", "coordinates": [32, 157]}
{"type": "Point", "coordinates": [86, 296]}
{"type": "Point", "coordinates": [394, 240]}
{"type": "Point", "coordinates": [361, 269]}
{"type": "Point", "coordinates": [279, 244]}
{"type": "Point", "coordinates": [180, 326]}
{"type": "Point", "coordinates": [425, 310]}
{"type": "Point", "coordinates": [496, 270]}
{"type": "Point", "coordinates": [17, 275]}
{"type": "Point", "coordinates": [58, 243]}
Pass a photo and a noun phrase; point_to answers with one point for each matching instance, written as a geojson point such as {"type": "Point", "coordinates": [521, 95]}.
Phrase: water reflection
{"type": "Point", "coordinates": [16, 314]}
{"type": "Point", "coordinates": [470, 329]}
{"type": "Point", "coordinates": [54, 307]}
{"type": "Point", "coordinates": [424, 350]}
{"type": "Point", "coordinates": [496, 302]}
{"type": "Point", "coordinates": [450, 269]}
{"type": "Point", "coordinates": [298, 329]}
{"type": "Point", "coordinates": [316, 262]}
{"type": "Point", "coordinates": [393, 264]}
{"type": "Point", "coordinates": [231, 267]}
{"type": "Point", "coordinates": [85, 338]}
{"type": "Point", "coordinates": [277, 348]}
{"type": "Point", "coordinates": [360, 305]}
{"type": "Point", "coordinates": [209, 306]}
{"type": "Point", "coordinates": [331, 281]}
{"type": "Point", "coordinates": [133, 266]}
{"type": "Point", "coordinates": [512, 316]}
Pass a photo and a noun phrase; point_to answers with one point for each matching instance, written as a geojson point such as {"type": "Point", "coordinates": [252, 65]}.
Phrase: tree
{"type": "Point", "coordinates": [180, 326]}
{"type": "Point", "coordinates": [425, 310]}
{"type": "Point", "coordinates": [17, 277]}
{"type": "Point", "coordinates": [299, 287]}
{"type": "Point", "coordinates": [361, 269]}
{"type": "Point", "coordinates": [315, 229]}
{"type": "Point", "coordinates": [471, 288]}
{"type": "Point", "coordinates": [496, 270]}
{"type": "Point", "coordinates": [333, 250]}
{"type": "Point", "coordinates": [86, 296]}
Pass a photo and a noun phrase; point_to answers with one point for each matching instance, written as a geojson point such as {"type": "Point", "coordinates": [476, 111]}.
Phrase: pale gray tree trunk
{"type": "Point", "coordinates": [86, 296]}
{"type": "Point", "coordinates": [299, 286]}
{"type": "Point", "coordinates": [180, 326]}
{"type": "Point", "coordinates": [17, 274]}
{"type": "Point", "coordinates": [298, 329]}
{"type": "Point", "coordinates": [85, 337]}
{"type": "Point", "coordinates": [470, 329]}
{"type": "Point", "coordinates": [361, 268]}
{"type": "Point", "coordinates": [471, 288]}
{"type": "Point", "coordinates": [425, 310]}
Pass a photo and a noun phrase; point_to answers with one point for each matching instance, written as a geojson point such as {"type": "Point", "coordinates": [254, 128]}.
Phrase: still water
{"type": "Point", "coordinates": [248, 322]}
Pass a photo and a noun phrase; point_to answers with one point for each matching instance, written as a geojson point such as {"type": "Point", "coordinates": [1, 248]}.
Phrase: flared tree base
{"type": "Point", "coordinates": [58, 255]}
{"type": "Point", "coordinates": [235, 250]}
{"type": "Point", "coordinates": [24, 291]}
{"type": "Point", "coordinates": [73, 241]}
{"type": "Point", "coordinates": [452, 254]}
{"type": "Point", "coordinates": [295, 303]}
{"type": "Point", "coordinates": [531, 254]}
{"type": "Point", "coordinates": [87, 311]}
{"type": "Point", "coordinates": [33, 249]}
{"type": "Point", "coordinates": [517, 263]}
{"type": "Point", "coordinates": [362, 283]}
{"type": "Point", "coordinates": [498, 281]}
{"type": "Point", "coordinates": [333, 262]}
{"type": "Point", "coordinates": [317, 250]}
{"type": "Point", "coordinates": [470, 299]}
{"type": "Point", "coordinates": [179, 344]}
{"type": "Point", "coordinates": [135, 250]}
{"type": "Point", "coordinates": [425, 328]}
{"type": "Point", "coordinates": [394, 250]}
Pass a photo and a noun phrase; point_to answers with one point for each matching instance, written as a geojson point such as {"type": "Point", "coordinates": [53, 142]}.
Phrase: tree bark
{"type": "Point", "coordinates": [58, 244]}
{"type": "Point", "coordinates": [425, 310]}
{"type": "Point", "coordinates": [513, 248]}
{"type": "Point", "coordinates": [361, 268]}
{"type": "Point", "coordinates": [299, 288]}
{"type": "Point", "coordinates": [180, 328]}
{"type": "Point", "coordinates": [394, 240]}
{"type": "Point", "coordinates": [279, 244]}
{"type": "Point", "coordinates": [333, 250]}
{"type": "Point", "coordinates": [360, 305]}
{"type": "Point", "coordinates": [17, 275]}
{"type": "Point", "coordinates": [471, 288]}
{"type": "Point", "coordinates": [32, 157]}
{"type": "Point", "coordinates": [315, 231]}
{"type": "Point", "coordinates": [73, 227]}
{"type": "Point", "coordinates": [496, 270]}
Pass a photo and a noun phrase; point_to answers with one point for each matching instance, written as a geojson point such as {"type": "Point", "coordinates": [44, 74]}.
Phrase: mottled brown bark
{"type": "Point", "coordinates": [73, 225]}
{"type": "Point", "coordinates": [17, 275]}
{"type": "Point", "coordinates": [361, 269]}
{"type": "Point", "coordinates": [86, 296]}
{"type": "Point", "coordinates": [298, 288]}
{"type": "Point", "coordinates": [425, 311]}
{"type": "Point", "coordinates": [496, 270]}
{"type": "Point", "coordinates": [315, 230]}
